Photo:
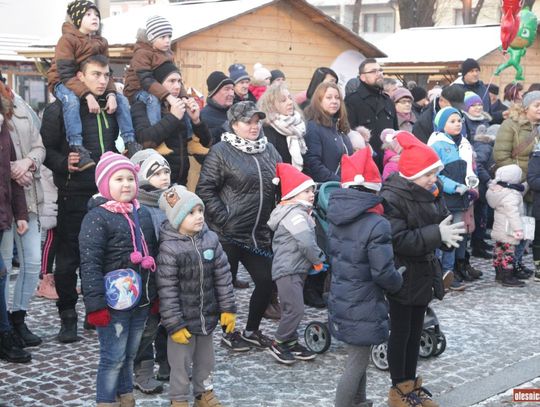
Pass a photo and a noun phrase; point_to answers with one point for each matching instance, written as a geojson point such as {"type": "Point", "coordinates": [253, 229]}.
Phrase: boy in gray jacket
{"type": "Point", "coordinates": [195, 291]}
{"type": "Point", "coordinates": [295, 252]}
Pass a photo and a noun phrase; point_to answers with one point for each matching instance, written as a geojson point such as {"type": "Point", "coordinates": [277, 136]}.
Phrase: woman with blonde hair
{"type": "Point", "coordinates": [284, 125]}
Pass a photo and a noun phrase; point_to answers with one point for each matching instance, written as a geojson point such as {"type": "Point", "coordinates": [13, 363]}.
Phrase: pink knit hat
{"type": "Point", "coordinates": [108, 164]}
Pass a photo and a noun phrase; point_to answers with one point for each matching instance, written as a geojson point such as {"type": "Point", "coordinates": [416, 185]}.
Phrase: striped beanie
{"type": "Point", "coordinates": [442, 117]}
{"type": "Point", "coordinates": [108, 164]}
{"type": "Point", "coordinates": [78, 8]}
{"type": "Point", "coordinates": [156, 27]}
{"type": "Point", "coordinates": [470, 100]}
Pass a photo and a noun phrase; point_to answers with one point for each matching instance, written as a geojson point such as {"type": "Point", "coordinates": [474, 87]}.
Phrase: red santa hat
{"type": "Point", "coordinates": [292, 181]}
{"type": "Point", "coordinates": [360, 169]}
{"type": "Point", "coordinates": [416, 158]}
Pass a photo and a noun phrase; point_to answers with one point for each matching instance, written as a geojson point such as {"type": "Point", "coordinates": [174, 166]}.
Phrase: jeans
{"type": "Point", "coordinates": [71, 108]}
{"type": "Point", "coordinates": [448, 258]}
{"type": "Point", "coordinates": [4, 320]}
{"type": "Point", "coordinates": [29, 250]}
{"type": "Point", "coordinates": [118, 344]}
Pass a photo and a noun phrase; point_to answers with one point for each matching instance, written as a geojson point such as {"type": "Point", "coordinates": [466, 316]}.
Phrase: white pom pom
{"type": "Point", "coordinates": [390, 137]}
{"type": "Point", "coordinates": [359, 179]}
{"type": "Point", "coordinates": [258, 65]}
{"type": "Point", "coordinates": [275, 181]}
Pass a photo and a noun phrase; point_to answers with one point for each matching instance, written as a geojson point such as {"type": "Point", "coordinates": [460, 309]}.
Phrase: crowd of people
{"type": "Point", "coordinates": [158, 227]}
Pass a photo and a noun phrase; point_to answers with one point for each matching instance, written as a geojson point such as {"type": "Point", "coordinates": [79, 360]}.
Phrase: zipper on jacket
{"type": "Point", "coordinates": [201, 289]}
{"type": "Point", "coordinates": [100, 133]}
{"type": "Point", "coordinates": [260, 202]}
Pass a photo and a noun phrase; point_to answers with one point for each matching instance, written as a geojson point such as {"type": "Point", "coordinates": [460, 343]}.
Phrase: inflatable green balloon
{"type": "Point", "coordinates": [523, 40]}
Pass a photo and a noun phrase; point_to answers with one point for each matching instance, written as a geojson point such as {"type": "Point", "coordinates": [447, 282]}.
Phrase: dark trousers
{"type": "Point", "coordinates": [71, 211]}
{"type": "Point", "coordinates": [48, 252]}
{"type": "Point", "coordinates": [480, 222]}
{"type": "Point", "coordinates": [260, 270]}
{"type": "Point", "coordinates": [406, 323]}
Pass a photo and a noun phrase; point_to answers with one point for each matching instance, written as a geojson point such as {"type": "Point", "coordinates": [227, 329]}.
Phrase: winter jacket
{"type": "Point", "coordinates": [360, 249]}
{"type": "Point", "coordinates": [455, 170]}
{"type": "Point", "coordinates": [171, 131]}
{"type": "Point", "coordinates": [140, 74]}
{"type": "Point", "coordinates": [250, 97]}
{"type": "Point", "coordinates": [12, 200]}
{"type": "Point", "coordinates": [508, 206]}
{"type": "Point", "coordinates": [294, 245]}
{"type": "Point", "coordinates": [497, 110]}
{"type": "Point", "coordinates": [483, 148]}
{"type": "Point", "coordinates": [423, 127]}
{"type": "Point", "coordinates": [414, 214]}
{"type": "Point", "coordinates": [472, 123]}
{"type": "Point", "coordinates": [99, 135]}
{"type": "Point", "coordinates": [370, 107]}
{"type": "Point", "coordinates": [27, 143]}
{"type": "Point", "coordinates": [279, 141]}
{"type": "Point", "coordinates": [238, 193]}
{"type": "Point", "coordinates": [325, 146]}
{"type": "Point", "coordinates": [105, 244]}
{"type": "Point", "coordinates": [533, 179]}
{"type": "Point", "coordinates": [47, 217]}
{"type": "Point", "coordinates": [194, 281]}
{"type": "Point", "coordinates": [390, 163]}
{"type": "Point", "coordinates": [215, 117]}
{"type": "Point", "coordinates": [72, 49]}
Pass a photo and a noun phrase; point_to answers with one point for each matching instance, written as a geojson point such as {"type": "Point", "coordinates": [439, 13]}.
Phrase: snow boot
{"type": "Point", "coordinates": [20, 328]}
{"type": "Point", "coordinates": [498, 274]}
{"type": "Point", "coordinates": [85, 159]}
{"type": "Point", "coordinates": [403, 395]}
{"type": "Point", "coordinates": [509, 280]}
{"type": "Point", "coordinates": [144, 378]}
{"type": "Point", "coordinates": [461, 271]}
{"type": "Point", "coordinates": [521, 272]}
{"type": "Point", "coordinates": [473, 272]}
{"type": "Point", "coordinates": [423, 394]}
{"type": "Point", "coordinates": [176, 403]}
{"type": "Point", "coordinates": [127, 400]}
{"type": "Point", "coordinates": [207, 399]}
{"type": "Point", "coordinates": [68, 327]}
{"type": "Point", "coordinates": [10, 352]}
{"type": "Point", "coordinates": [46, 288]}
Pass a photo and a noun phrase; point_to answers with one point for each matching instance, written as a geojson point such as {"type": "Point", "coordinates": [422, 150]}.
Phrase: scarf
{"type": "Point", "coordinates": [294, 128]}
{"type": "Point", "coordinates": [140, 254]}
{"type": "Point", "coordinates": [150, 197]}
{"type": "Point", "coordinates": [246, 146]}
{"type": "Point", "coordinates": [517, 187]}
{"type": "Point", "coordinates": [378, 209]}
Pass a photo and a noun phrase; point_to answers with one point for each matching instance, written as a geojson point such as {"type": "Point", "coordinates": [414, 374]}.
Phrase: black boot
{"type": "Point", "coordinates": [473, 272]}
{"type": "Point", "coordinates": [498, 274]}
{"type": "Point", "coordinates": [11, 352]}
{"type": "Point", "coordinates": [521, 272]}
{"type": "Point", "coordinates": [461, 271]}
{"type": "Point", "coordinates": [132, 147]}
{"type": "Point", "coordinates": [509, 280]}
{"type": "Point", "coordinates": [479, 250]}
{"type": "Point", "coordinates": [68, 328]}
{"type": "Point", "coordinates": [21, 330]}
{"type": "Point", "coordinates": [85, 160]}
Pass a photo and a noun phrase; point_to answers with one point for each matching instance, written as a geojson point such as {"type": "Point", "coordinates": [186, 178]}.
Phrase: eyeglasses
{"type": "Point", "coordinates": [375, 71]}
{"type": "Point", "coordinates": [405, 102]}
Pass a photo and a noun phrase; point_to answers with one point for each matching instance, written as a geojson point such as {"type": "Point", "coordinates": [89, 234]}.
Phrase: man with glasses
{"type": "Point", "coordinates": [370, 107]}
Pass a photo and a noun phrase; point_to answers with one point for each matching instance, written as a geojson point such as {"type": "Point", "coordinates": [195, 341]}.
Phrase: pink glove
{"type": "Point", "coordinates": [101, 317]}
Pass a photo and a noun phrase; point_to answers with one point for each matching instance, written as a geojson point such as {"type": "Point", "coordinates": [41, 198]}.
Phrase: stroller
{"type": "Point", "coordinates": [317, 335]}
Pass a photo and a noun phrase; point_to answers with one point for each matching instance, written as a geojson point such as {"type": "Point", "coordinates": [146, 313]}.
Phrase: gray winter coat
{"type": "Point", "coordinates": [294, 245]}
{"type": "Point", "coordinates": [194, 281]}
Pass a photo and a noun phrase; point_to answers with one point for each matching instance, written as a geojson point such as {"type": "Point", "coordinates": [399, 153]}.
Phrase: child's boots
{"type": "Point", "coordinates": [423, 394]}
{"type": "Point", "coordinates": [403, 395]}
{"type": "Point", "coordinates": [85, 160]}
{"type": "Point", "coordinates": [509, 279]}
{"type": "Point", "coordinates": [127, 400]}
{"type": "Point", "coordinates": [207, 399]}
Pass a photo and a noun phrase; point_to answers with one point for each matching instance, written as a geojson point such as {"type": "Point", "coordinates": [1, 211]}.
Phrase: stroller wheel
{"type": "Point", "coordinates": [379, 356]}
{"type": "Point", "coordinates": [428, 344]}
{"type": "Point", "coordinates": [317, 337]}
{"type": "Point", "coordinates": [440, 344]}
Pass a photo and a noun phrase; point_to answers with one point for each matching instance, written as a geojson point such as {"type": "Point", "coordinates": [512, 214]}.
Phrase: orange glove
{"type": "Point", "coordinates": [182, 336]}
{"type": "Point", "coordinates": [228, 320]}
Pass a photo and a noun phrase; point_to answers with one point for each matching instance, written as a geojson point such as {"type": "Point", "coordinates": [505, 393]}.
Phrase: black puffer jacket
{"type": "Point", "coordinates": [171, 131]}
{"type": "Point", "coordinates": [194, 281]}
{"type": "Point", "coordinates": [105, 245]}
{"type": "Point", "coordinates": [238, 193]}
{"type": "Point", "coordinates": [414, 214]}
{"type": "Point", "coordinates": [99, 135]}
{"type": "Point", "coordinates": [533, 179]}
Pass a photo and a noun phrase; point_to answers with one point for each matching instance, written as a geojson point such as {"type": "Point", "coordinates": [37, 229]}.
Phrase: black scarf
{"type": "Point", "coordinates": [517, 187]}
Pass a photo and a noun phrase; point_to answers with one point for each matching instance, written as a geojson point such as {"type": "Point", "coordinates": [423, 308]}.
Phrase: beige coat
{"type": "Point", "coordinates": [26, 139]}
{"type": "Point", "coordinates": [508, 206]}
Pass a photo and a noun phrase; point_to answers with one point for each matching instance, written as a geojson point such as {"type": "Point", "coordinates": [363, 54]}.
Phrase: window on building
{"type": "Point", "coordinates": [378, 23]}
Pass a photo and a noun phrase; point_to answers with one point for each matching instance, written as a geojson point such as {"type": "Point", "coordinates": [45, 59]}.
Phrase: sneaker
{"type": "Point", "coordinates": [132, 147]}
{"type": "Point", "coordinates": [235, 342]}
{"type": "Point", "coordinates": [281, 352]}
{"type": "Point", "coordinates": [301, 352]}
{"type": "Point", "coordinates": [457, 286]}
{"type": "Point", "coordinates": [258, 339]}
{"type": "Point", "coordinates": [85, 160]}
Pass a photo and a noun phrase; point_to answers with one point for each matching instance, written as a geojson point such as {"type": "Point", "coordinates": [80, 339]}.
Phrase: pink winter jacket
{"type": "Point", "coordinates": [390, 163]}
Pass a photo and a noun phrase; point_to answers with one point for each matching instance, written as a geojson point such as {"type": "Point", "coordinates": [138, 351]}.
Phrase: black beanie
{"type": "Point", "coordinates": [493, 89]}
{"type": "Point", "coordinates": [215, 81]}
{"type": "Point", "coordinates": [468, 65]}
{"type": "Point", "coordinates": [276, 73]}
{"type": "Point", "coordinates": [78, 8]}
{"type": "Point", "coordinates": [418, 93]}
{"type": "Point", "coordinates": [164, 70]}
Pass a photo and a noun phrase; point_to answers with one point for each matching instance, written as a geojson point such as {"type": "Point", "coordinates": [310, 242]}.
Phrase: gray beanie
{"type": "Point", "coordinates": [177, 202]}
{"type": "Point", "coordinates": [530, 97]}
{"type": "Point", "coordinates": [150, 162]}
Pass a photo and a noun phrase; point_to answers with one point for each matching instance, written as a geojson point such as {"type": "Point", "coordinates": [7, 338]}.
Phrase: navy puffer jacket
{"type": "Point", "coordinates": [360, 249]}
{"type": "Point", "coordinates": [105, 244]}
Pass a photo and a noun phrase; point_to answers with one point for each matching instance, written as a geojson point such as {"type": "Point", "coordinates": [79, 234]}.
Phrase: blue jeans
{"type": "Point", "coordinates": [72, 116]}
{"type": "Point", "coordinates": [448, 259]}
{"type": "Point", "coordinates": [29, 251]}
{"type": "Point", "coordinates": [4, 320]}
{"type": "Point", "coordinates": [118, 344]}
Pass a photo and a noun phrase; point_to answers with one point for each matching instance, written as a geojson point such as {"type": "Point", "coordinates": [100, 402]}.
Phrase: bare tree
{"type": "Point", "coordinates": [416, 13]}
{"type": "Point", "coordinates": [356, 16]}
